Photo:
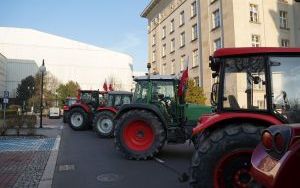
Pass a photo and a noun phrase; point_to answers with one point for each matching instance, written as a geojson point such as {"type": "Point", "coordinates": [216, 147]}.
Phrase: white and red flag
{"type": "Point", "coordinates": [184, 78]}
{"type": "Point", "coordinates": [105, 85]}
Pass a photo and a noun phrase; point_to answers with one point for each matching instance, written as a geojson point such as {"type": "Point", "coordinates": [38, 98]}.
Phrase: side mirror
{"type": "Point", "coordinates": [214, 63]}
{"type": "Point", "coordinates": [214, 94]}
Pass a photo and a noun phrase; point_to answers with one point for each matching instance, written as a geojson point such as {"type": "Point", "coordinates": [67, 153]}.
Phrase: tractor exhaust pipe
{"type": "Point", "coordinates": [182, 177]}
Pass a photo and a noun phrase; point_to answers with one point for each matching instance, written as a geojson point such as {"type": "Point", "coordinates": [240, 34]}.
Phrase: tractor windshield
{"type": "Point", "coordinates": [244, 83]}
{"type": "Point", "coordinates": [141, 91]}
{"type": "Point", "coordinates": [285, 87]}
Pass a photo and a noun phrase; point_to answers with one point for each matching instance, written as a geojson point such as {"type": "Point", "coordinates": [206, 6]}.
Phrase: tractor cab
{"type": "Point", "coordinates": [92, 98]}
{"type": "Point", "coordinates": [161, 91]}
{"type": "Point", "coordinates": [261, 80]}
{"type": "Point", "coordinates": [117, 98]}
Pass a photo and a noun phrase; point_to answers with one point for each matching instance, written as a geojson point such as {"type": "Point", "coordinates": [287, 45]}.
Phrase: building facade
{"type": "Point", "coordinates": [16, 71]}
{"type": "Point", "coordinates": [195, 29]}
{"type": "Point", "coordinates": [3, 63]}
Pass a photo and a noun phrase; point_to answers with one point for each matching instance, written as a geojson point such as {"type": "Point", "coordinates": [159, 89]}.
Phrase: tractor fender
{"type": "Point", "coordinates": [149, 107]}
{"type": "Point", "coordinates": [110, 109]}
{"type": "Point", "coordinates": [213, 120]}
{"type": "Point", "coordinates": [85, 107]}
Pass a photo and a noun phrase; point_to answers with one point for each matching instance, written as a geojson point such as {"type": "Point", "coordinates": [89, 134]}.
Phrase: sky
{"type": "Point", "coordinates": [114, 25]}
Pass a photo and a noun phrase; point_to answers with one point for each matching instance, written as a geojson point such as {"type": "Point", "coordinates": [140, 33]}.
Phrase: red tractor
{"type": "Point", "coordinates": [69, 101]}
{"type": "Point", "coordinates": [276, 161]}
{"type": "Point", "coordinates": [97, 108]}
{"type": "Point", "coordinates": [254, 88]}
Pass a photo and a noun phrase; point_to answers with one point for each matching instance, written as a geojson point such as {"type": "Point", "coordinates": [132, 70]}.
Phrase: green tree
{"type": "Point", "coordinates": [25, 90]}
{"type": "Point", "coordinates": [67, 90]}
{"type": "Point", "coordinates": [194, 94]}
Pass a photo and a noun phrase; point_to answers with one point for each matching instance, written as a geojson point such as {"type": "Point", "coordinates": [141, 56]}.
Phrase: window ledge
{"type": "Point", "coordinates": [215, 28]}
{"type": "Point", "coordinates": [254, 22]}
{"type": "Point", "coordinates": [196, 66]}
{"type": "Point", "coordinates": [172, 31]}
{"type": "Point", "coordinates": [193, 16]}
{"type": "Point", "coordinates": [163, 38]}
{"type": "Point", "coordinates": [285, 28]}
{"type": "Point", "coordinates": [193, 40]}
{"type": "Point", "coordinates": [212, 2]}
{"type": "Point", "coordinates": [181, 25]}
{"type": "Point", "coordinates": [182, 46]}
{"type": "Point", "coordinates": [172, 52]}
{"type": "Point", "coordinates": [164, 56]}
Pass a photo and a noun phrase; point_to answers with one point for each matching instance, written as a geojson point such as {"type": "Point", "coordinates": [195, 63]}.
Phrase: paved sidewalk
{"type": "Point", "coordinates": [27, 161]}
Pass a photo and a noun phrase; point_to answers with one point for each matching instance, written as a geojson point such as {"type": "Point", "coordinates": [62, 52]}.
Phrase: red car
{"type": "Point", "coordinates": [276, 160]}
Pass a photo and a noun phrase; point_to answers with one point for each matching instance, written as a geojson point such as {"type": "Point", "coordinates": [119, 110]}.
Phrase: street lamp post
{"type": "Point", "coordinates": [42, 70]}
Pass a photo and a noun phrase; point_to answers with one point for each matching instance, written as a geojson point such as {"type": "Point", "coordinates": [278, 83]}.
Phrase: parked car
{"type": "Point", "coordinates": [69, 102]}
{"type": "Point", "coordinates": [54, 112]}
{"type": "Point", "coordinates": [276, 160]}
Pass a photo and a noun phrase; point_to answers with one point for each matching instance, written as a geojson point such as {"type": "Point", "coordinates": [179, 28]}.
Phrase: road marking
{"type": "Point", "coordinates": [66, 167]}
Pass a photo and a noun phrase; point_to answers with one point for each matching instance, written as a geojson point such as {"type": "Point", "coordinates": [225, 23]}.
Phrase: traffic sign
{"type": "Point", "coordinates": [6, 95]}
{"type": "Point", "coordinates": [5, 100]}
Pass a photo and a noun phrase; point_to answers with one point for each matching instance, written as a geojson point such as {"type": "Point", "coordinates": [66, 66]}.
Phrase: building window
{"type": "Point", "coordinates": [164, 32]}
{"type": "Point", "coordinates": [283, 17]}
{"type": "Point", "coordinates": [163, 50]}
{"type": "Point", "coordinates": [195, 59]}
{"type": "Point", "coordinates": [181, 18]}
{"type": "Point", "coordinates": [172, 45]}
{"type": "Point", "coordinates": [255, 41]}
{"type": "Point", "coordinates": [163, 71]}
{"type": "Point", "coordinates": [253, 13]}
{"type": "Point", "coordinates": [153, 40]}
{"type": "Point", "coordinates": [216, 19]}
{"type": "Point", "coordinates": [285, 43]}
{"type": "Point", "coordinates": [172, 26]}
{"type": "Point", "coordinates": [193, 9]}
{"type": "Point", "coordinates": [217, 44]}
{"type": "Point", "coordinates": [153, 56]}
{"type": "Point", "coordinates": [196, 80]}
{"type": "Point", "coordinates": [182, 62]}
{"type": "Point", "coordinates": [194, 32]}
{"type": "Point", "coordinates": [173, 66]}
{"type": "Point", "coordinates": [182, 39]}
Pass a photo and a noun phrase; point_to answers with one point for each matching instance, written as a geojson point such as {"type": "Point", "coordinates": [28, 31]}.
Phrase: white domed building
{"type": "Point", "coordinates": [68, 59]}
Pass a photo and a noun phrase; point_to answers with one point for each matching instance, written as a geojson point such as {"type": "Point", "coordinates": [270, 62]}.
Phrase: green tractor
{"type": "Point", "coordinates": [156, 115]}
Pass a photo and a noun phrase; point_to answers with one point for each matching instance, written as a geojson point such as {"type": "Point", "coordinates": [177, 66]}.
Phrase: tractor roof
{"type": "Point", "coordinates": [156, 77]}
{"type": "Point", "coordinates": [225, 52]}
{"type": "Point", "coordinates": [119, 93]}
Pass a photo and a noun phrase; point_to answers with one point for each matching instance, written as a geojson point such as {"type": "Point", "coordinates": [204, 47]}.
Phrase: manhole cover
{"type": "Point", "coordinates": [66, 167]}
{"type": "Point", "coordinates": [109, 177]}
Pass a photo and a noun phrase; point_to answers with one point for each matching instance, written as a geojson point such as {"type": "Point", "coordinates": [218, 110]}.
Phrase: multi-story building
{"type": "Point", "coordinates": [3, 63]}
{"type": "Point", "coordinates": [195, 29]}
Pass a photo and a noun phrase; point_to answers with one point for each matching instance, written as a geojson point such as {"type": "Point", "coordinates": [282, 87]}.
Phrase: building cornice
{"type": "Point", "coordinates": [149, 7]}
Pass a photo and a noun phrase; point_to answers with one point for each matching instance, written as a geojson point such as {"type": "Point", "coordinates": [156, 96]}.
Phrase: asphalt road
{"type": "Point", "coordinates": [85, 160]}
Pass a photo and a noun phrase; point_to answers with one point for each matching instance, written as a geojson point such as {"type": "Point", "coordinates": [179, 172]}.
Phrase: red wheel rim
{"type": "Point", "coordinates": [241, 177]}
{"type": "Point", "coordinates": [138, 135]}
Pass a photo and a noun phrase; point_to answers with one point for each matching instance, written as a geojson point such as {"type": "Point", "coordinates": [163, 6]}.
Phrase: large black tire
{"type": "Point", "coordinates": [78, 119]}
{"type": "Point", "coordinates": [103, 124]}
{"type": "Point", "coordinates": [65, 118]}
{"type": "Point", "coordinates": [139, 135]}
{"type": "Point", "coordinates": [223, 159]}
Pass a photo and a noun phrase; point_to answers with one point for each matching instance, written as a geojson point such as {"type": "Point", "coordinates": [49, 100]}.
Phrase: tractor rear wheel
{"type": "Point", "coordinates": [223, 159]}
{"type": "Point", "coordinates": [139, 134]}
{"type": "Point", "coordinates": [103, 124]}
{"type": "Point", "coordinates": [78, 119]}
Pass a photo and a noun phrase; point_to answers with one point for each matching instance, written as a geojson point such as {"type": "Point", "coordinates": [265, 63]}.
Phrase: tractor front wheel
{"type": "Point", "coordinates": [103, 124]}
{"type": "Point", "coordinates": [223, 160]}
{"type": "Point", "coordinates": [78, 119]}
{"type": "Point", "coordinates": [139, 135]}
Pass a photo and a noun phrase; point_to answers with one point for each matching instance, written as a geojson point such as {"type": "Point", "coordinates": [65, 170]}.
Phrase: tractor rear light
{"type": "Point", "coordinates": [267, 140]}
{"type": "Point", "coordinates": [66, 107]}
{"type": "Point", "coordinates": [279, 142]}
